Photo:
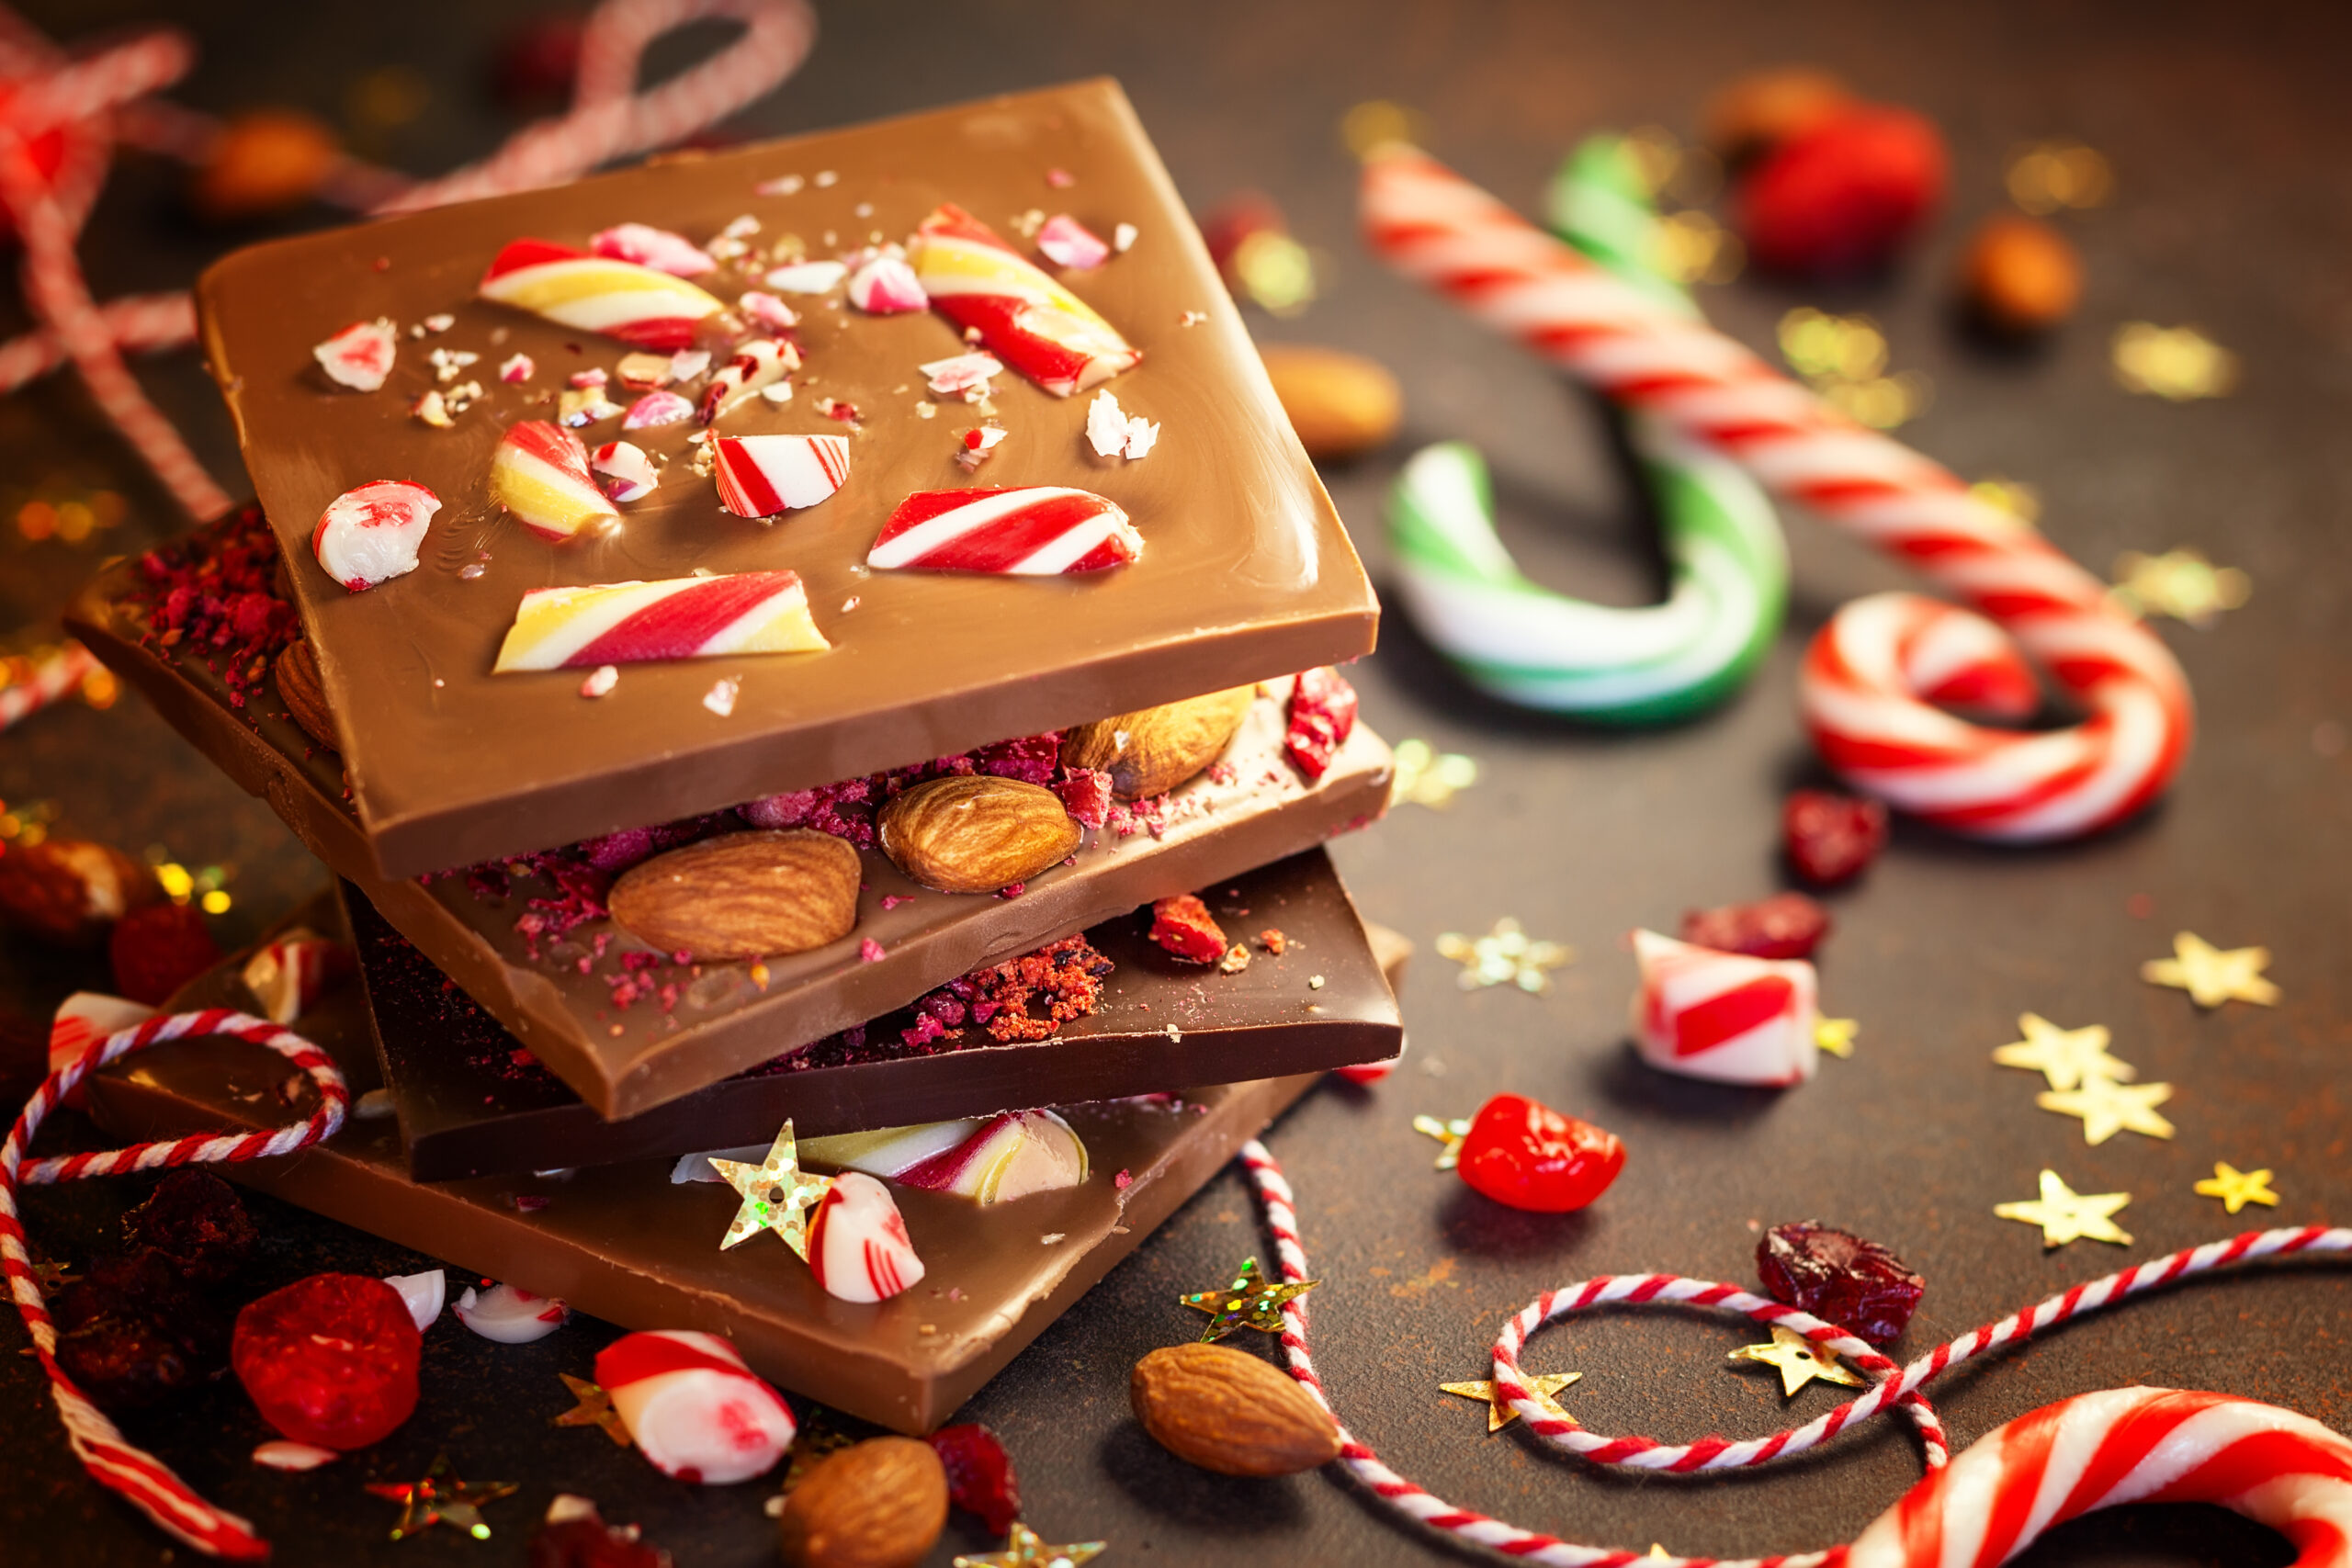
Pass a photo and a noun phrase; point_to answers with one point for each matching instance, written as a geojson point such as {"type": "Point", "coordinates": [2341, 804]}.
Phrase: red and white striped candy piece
{"type": "Point", "coordinates": [1066, 242]}
{"type": "Point", "coordinates": [360, 355]}
{"type": "Point", "coordinates": [657, 409]}
{"type": "Point", "coordinates": [289, 974]}
{"type": "Point", "coordinates": [373, 533]}
{"type": "Point", "coordinates": [858, 1247]}
{"type": "Point", "coordinates": [762, 362]}
{"type": "Point", "coordinates": [1025, 317]}
{"type": "Point", "coordinates": [767, 310]}
{"type": "Point", "coordinates": [637, 304]}
{"type": "Point", "coordinates": [1430, 224]}
{"type": "Point", "coordinates": [629, 474]}
{"type": "Point", "coordinates": [656, 248]}
{"type": "Point", "coordinates": [759, 476]}
{"type": "Point", "coordinates": [887, 285]}
{"type": "Point", "coordinates": [509, 1316]}
{"type": "Point", "coordinates": [678, 617]}
{"type": "Point", "coordinates": [693, 1407]}
{"type": "Point", "coordinates": [1725, 1016]}
{"type": "Point", "coordinates": [1032, 531]}
{"type": "Point", "coordinates": [83, 1020]}
{"type": "Point", "coordinates": [540, 474]}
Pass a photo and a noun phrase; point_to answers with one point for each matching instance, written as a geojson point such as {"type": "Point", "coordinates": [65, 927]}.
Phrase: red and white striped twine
{"type": "Point", "coordinates": [146, 1481]}
{"type": "Point", "coordinates": [1896, 1387]}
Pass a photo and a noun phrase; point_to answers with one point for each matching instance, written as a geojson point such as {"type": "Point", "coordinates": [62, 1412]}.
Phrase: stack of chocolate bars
{"type": "Point", "coordinates": [834, 633]}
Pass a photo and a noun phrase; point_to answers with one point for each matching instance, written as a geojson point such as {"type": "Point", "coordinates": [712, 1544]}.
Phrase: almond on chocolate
{"type": "Point", "coordinates": [1151, 751]}
{"type": "Point", "coordinates": [975, 832]}
{"type": "Point", "coordinates": [741, 895]}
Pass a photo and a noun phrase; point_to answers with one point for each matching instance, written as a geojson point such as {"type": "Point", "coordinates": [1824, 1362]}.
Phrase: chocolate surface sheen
{"type": "Point", "coordinates": [1245, 572]}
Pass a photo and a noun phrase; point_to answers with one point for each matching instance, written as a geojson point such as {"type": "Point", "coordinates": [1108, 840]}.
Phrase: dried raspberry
{"type": "Point", "coordinates": [980, 1474]}
{"type": "Point", "coordinates": [330, 1359]}
{"type": "Point", "coordinates": [1184, 926]}
{"type": "Point", "coordinates": [1086, 794]}
{"type": "Point", "coordinates": [1787, 925]}
{"type": "Point", "coordinates": [1840, 1278]}
{"type": "Point", "coordinates": [1842, 195]}
{"type": "Point", "coordinates": [590, 1543]}
{"type": "Point", "coordinates": [1322, 716]}
{"type": "Point", "coordinates": [157, 950]}
{"type": "Point", "coordinates": [196, 1221]}
{"type": "Point", "coordinates": [131, 1334]}
{"type": "Point", "coordinates": [1832, 836]}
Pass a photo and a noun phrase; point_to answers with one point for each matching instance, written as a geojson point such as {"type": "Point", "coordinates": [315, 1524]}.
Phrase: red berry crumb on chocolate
{"type": "Point", "coordinates": [1831, 838]}
{"type": "Point", "coordinates": [1787, 925]}
{"type": "Point", "coordinates": [1322, 716]}
{"type": "Point", "coordinates": [331, 1359]}
{"type": "Point", "coordinates": [1184, 926]}
{"type": "Point", "coordinates": [1840, 1278]}
{"type": "Point", "coordinates": [980, 1474]}
{"type": "Point", "coordinates": [1529, 1156]}
{"type": "Point", "coordinates": [157, 950]}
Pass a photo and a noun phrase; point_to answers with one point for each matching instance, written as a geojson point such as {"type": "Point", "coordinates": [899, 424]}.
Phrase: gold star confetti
{"type": "Point", "coordinates": [2238, 1187]}
{"type": "Point", "coordinates": [2212, 976]}
{"type": "Point", "coordinates": [2047, 176]}
{"type": "Point", "coordinates": [1505, 954]}
{"type": "Point", "coordinates": [1844, 358]}
{"type": "Point", "coordinates": [2108, 1108]}
{"type": "Point", "coordinates": [1449, 1134]}
{"type": "Point", "coordinates": [1022, 1549]}
{"type": "Point", "coordinates": [594, 1409]}
{"type": "Point", "coordinates": [2067, 1216]}
{"type": "Point", "coordinates": [1248, 1302]}
{"type": "Point", "coordinates": [777, 1196]}
{"type": "Point", "coordinates": [2180, 584]}
{"type": "Point", "coordinates": [1426, 776]}
{"type": "Point", "coordinates": [2176, 363]}
{"type": "Point", "coordinates": [1377, 122]}
{"type": "Point", "coordinates": [1498, 1414]}
{"type": "Point", "coordinates": [441, 1499]}
{"type": "Point", "coordinates": [2020, 500]}
{"type": "Point", "coordinates": [1835, 1035]}
{"type": "Point", "coordinates": [48, 1278]}
{"type": "Point", "coordinates": [1800, 1362]}
{"type": "Point", "coordinates": [2067, 1057]}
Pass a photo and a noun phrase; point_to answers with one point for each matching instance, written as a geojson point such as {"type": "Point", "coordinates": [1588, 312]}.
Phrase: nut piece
{"type": "Point", "coordinates": [2020, 277]}
{"type": "Point", "coordinates": [304, 694]}
{"type": "Point", "coordinates": [1226, 1410]}
{"type": "Point", "coordinates": [976, 833]}
{"type": "Point", "coordinates": [1152, 752]}
{"type": "Point", "coordinates": [880, 1504]}
{"type": "Point", "coordinates": [70, 890]}
{"type": "Point", "coordinates": [741, 895]}
{"type": "Point", "coordinates": [1341, 404]}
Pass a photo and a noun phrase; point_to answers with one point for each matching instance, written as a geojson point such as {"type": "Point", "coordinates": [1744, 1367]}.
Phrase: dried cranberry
{"type": "Point", "coordinates": [1531, 1156]}
{"type": "Point", "coordinates": [1322, 716]}
{"type": "Point", "coordinates": [1086, 794]}
{"type": "Point", "coordinates": [1184, 926]}
{"type": "Point", "coordinates": [157, 950]}
{"type": "Point", "coordinates": [1840, 1278]}
{"type": "Point", "coordinates": [131, 1333]}
{"type": "Point", "coordinates": [330, 1359]}
{"type": "Point", "coordinates": [1844, 195]}
{"type": "Point", "coordinates": [1832, 836]}
{"type": "Point", "coordinates": [590, 1543]}
{"type": "Point", "coordinates": [1787, 925]}
{"type": "Point", "coordinates": [197, 1221]}
{"type": "Point", "coordinates": [980, 1474]}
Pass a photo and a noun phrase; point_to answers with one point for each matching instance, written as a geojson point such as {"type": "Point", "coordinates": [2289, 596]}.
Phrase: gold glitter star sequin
{"type": "Point", "coordinates": [2067, 1057]}
{"type": "Point", "coordinates": [1835, 1035]}
{"type": "Point", "coordinates": [2108, 1108]}
{"type": "Point", "coordinates": [2178, 364]}
{"type": "Point", "coordinates": [2020, 500]}
{"type": "Point", "coordinates": [441, 1499]}
{"type": "Point", "coordinates": [775, 1195]}
{"type": "Point", "coordinates": [1248, 1302]}
{"type": "Point", "coordinates": [1799, 1360]}
{"type": "Point", "coordinates": [1022, 1549]}
{"type": "Point", "coordinates": [1507, 954]}
{"type": "Point", "coordinates": [2046, 175]}
{"type": "Point", "coordinates": [2212, 976]}
{"type": "Point", "coordinates": [2179, 583]}
{"type": "Point", "coordinates": [1376, 122]}
{"type": "Point", "coordinates": [2067, 1216]}
{"type": "Point", "coordinates": [2238, 1187]}
{"type": "Point", "coordinates": [1426, 776]}
{"type": "Point", "coordinates": [595, 1408]}
{"type": "Point", "coordinates": [1449, 1134]}
{"type": "Point", "coordinates": [1498, 1414]}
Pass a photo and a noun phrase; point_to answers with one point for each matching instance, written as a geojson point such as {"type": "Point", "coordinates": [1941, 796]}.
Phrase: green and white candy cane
{"type": "Point", "coordinates": [1538, 648]}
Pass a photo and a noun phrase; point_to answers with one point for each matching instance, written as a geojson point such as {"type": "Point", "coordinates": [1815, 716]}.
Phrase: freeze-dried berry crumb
{"type": "Point", "coordinates": [980, 1474]}
{"type": "Point", "coordinates": [213, 597]}
{"type": "Point", "coordinates": [1322, 716]}
{"type": "Point", "coordinates": [1787, 925]}
{"type": "Point", "coordinates": [1840, 1278]}
{"type": "Point", "coordinates": [1184, 926]}
{"type": "Point", "coordinates": [1831, 838]}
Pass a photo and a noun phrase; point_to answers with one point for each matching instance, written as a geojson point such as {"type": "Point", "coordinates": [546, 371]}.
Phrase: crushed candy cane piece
{"type": "Point", "coordinates": [1122, 238]}
{"type": "Point", "coordinates": [1722, 1015]}
{"type": "Point", "coordinates": [887, 285]}
{"type": "Point", "coordinates": [540, 474]}
{"type": "Point", "coordinates": [689, 363]}
{"type": "Point", "coordinates": [373, 533]}
{"type": "Point", "coordinates": [761, 476]}
{"type": "Point", "coordinates": [963, 373]}
{"type": "Point", "coordinates": [360, 355]}
{"type": "Point", "coordinates": [858, 1247]}
{"type": "Point", "coordinates": [678, 617]}
{"type": "Point", "coordinates": [1035, 531]}
{"type": "Point", "coordinates": [447, 362]}
{"type": "Point", "coordinates": [656, 248]}
{"type": "Point", "coordinates": [777, 393]}
{"type": "Point", "coordinates": [638, 305]}
{"type": "Point", "coordinates": [585, 406]}
{"type": "Point", "coordinates": [657, 407]}
{"type": "Point", "coordinates": [807, 277]}
{"type": "Point", "coordinates": [1060, 179]}
{"type": "Point", "coordinates": [603, 678]}
{"type": "Point", "coordinates": [629, 474]}
{"type": "Point", "coordinates": [782, 185]}
{"type": "Point", "coordinates": [1026, 317]}
{"type": "Point", "coordinates": [516, 369]}
{"type": "Point", "coordinates": [594, 375]}
{"type": "Point", "coordinates": [767, 310]}
{"type": "Point", "coordinates": [759, 362]}
{"type": "Point", "coordinates": [993, 1160]}
{"type": "Point", "coordinates": [1113, 432]}
{"type": "Point", "coordinates": [1066, 242]}
{"type": "Point", "coordinates": [721, 698]}
{"type": "Point", "coordinates": [284, 1453]}
{"type": "Point", "coordinates": [424, 1294]}
{"type": "Point", "coordinates": [641, 372]}
{"type": "Point", "coordinates": [439, 321]}
{"type": "Point", "coordinates": [508, 1316]}
{"type": "Point", "coordinates": [288, 976]}
{"type": "Point", "coordinates": [432, 409]}
{"type": "Point", "coordinates": [693, 1408]}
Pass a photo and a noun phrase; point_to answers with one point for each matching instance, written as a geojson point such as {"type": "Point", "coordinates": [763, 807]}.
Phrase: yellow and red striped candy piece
{"type": "Point", "coordinates": [599, 294]}
{"type": "Point", "coordinates": [540, 474]}
{"type": "Point", "coordinates": [678, 617]}
{"type": "Point", "coordinates": [1027, 319]}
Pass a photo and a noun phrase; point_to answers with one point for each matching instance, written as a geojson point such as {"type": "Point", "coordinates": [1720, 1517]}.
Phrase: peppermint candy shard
{"type": "Point", "coordinates": [373, 533]}
{"type": "Point", "coordinates": [360, 355]}
{"type": "Point", "coordinates": [540, 474]}
{"type": "Point", "coordinates": [1024, 316]}
{"type": "Point", "coordinates": [1066, 242]}
{"type": "Point", "coordinates": [767, 310]}
{"type": "Point", "coordinates": [693, 1408]}
{"type": "Point", "coordinates": [757, 365]}
{"type": "Point", "coordinates": [679, 617]}
{"type": "Point", "coordinates": [992, 1160]}
{"type": "Point", "coordinates": [858, 1247]}
{"type": "Point", "coordinates": [1031, 531]}
{"type": "Point", "coordinates": [887, 285]}
{"type": "Point", "coordinates": [656, 409]}
{"type": "Point", "coordinates": [807, 277]}
{"type": "Point", "coordinates": [289, 976]}
{"type": "Point", "coordinates": [510, 1316]}
{"type": "Point", "coordinates": [636, 304]}
{"type": "Point", "coordinates": [656, 248]}
{"type": "Point", "coordinates": [1725, 1016]}
{"type": "Point", "coordinates": [629, 474]}
{"type": "Point", "coordinates": [759, 476]}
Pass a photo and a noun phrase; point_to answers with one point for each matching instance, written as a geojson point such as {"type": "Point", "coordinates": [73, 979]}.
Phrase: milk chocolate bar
{"type": "Point", "coordinates": [1244, 574]}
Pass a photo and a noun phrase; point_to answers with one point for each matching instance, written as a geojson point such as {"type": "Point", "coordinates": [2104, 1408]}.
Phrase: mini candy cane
{"type": "Point", "coordinates": [1725, 1016]}
{"type": "Point", "coordinates": [46, 680]}
{"type": "Point", "coordinates": [1525, 643]}
{"type": "Point", "coordinates": [1432, 225]}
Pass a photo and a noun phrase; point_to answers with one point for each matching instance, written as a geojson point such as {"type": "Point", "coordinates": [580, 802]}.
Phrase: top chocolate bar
{"type": "Point", "coordinates": [1230, 566]}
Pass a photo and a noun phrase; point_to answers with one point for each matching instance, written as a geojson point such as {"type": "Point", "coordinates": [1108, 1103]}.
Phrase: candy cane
{"type": "Point", "coordinates": [1525, 643]}
{"type": "Point", "coordinates": [149, 1483]}
{"type": "Point", "coordinates": [1434, 226]}
{"type": "Point", "coordinates": [49, 679]}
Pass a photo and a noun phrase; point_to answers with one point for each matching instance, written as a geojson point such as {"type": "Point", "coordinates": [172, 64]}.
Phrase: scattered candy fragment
{"type": "Point", "coordinates": [1322, 716]}
{"type": "Point", "coordinates": [1529, 1156]}
{"type": "Point", "coordinates": [508, 1316]}
{"type": "Point", "coordinates": [807, 277]}
{"type": "Point", "coordinates": [1035, 531]}
{"type": "Point", "coordinates": [516, 369]}
{"type": "Point", "coordinates": [1845, 194]}
{"type": "Point", "coordinates": [887, 285]}
{"type": "Point", "coordinates": [657, 409]}
{"type": "Point", "coordinates": [1066, 242]}
{"type": "Point", "coordinates": [767, 310]}
{"type": "Point", "coordinates": [1122, 238]}
{"type": "Point", "coordinates": [2067, 1216]}
{"type": "Point", "coordinates": [1724, 1016]}
{"type": "Point", "coordinates": [636, 304]}
{"type": "Point", "coordinates": [2212, 976]}
{"type": "Point", "coordinates": [582, 380]}
{"type": "Point", "coordinates": [601, 681]}
{"type": "Point", "coordinates": [424, 1294]}
{"type": "Point", "coordinates": [721, 698]}
{"type": "Point", "coordinates": [756, 365]}
{"type": "Point", "coordinates": [1798, 1360]}
{"type": "Point", "coordinates": [1786, 925]}
{"type": "Point", "coordinates": [1023, 317]}
{"type": "Point", "coordinates": [1831, 838]}
{"type": "Point", "coordinates": [281, 1454]}
{"type": "Point", "coordinates": [679, 617]}
{"type": "Point", "coordinates": [858, 1247]}
{"type": "Point", "coordinates": [656, 248]}
{"type": "Point", "coordinates": [331, 1359]}
{"type": "Point", "coordinates": [629, 474]}
{"type": "Point", "coordinates": [963, 376]}
{"type": "Point", "coordinates": [993, 1160]}
{"type": "Point", "coordinates": [693, 1408]}
{"type": "Point", "coordinates": [1506, 954]}
{"type": "Point", "coordinates": [431, 408]}
{"type": "Point", "coordinates": [539, 473]}
{"type": "Point", "coordinates": [1184, 926]}
{"type": "Point", "coordinates": [1840, 1278]}
{"type": "Point", "coordinates": [762, 476]}
{"type": "Point", "coordinates": [980, 1474]}
{"type": "Point", "coordinates": [642, 372]}
{"type": "Point", "coordinates": [289, 974]}
{"type": "Point", "coordinates": [1113, 433]}
{"type": "Point", "coordinates": [584, 406]}
{"type": "Point", "coordinates": [360, 357]}
{"type": "Point", "coordinates": [156, 950]}
{"type": "Point", "coordinates": [372, 534]}
{"type": "Point", "coordinates": [2020, 277]}
{"type": "Point", "coordinates": [81, 1021]}
{"type": "Point", "coordinates": [976, 444]}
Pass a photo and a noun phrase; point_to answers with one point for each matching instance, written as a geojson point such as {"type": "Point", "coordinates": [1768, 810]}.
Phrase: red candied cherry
{"type": "Point", "coordinates": [980, 1474]}
{"type": "Point", "coordinates": [1786, 925]}
{"type": "Point", "coordinates": [331, 1359]}
{"type": "Point", "coordinates": [1529, 1156]}
{"type": "Point", "coordinates": [1842, 195]}
{"type": "Point", "coordinates": [1831, 838]}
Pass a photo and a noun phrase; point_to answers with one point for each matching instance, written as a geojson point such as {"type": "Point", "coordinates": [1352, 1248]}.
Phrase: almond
{"type": "Point", "coordinates": [70, 890]}
{"type": "Point", "coordinates": [1341, 404]}
{"type": "Point", "coordinates": [304, 694]}
{"type": "Point", "coordinates": [1152, 752]}
{"type": "Point", "coordinates": [1228, 1411]}
{"type": "Point", "coordinates": [741, 895]}
{"type": "Point", "coordinates": [879, 1504]}
{"type": "Point", "coordinates": [976, 833]}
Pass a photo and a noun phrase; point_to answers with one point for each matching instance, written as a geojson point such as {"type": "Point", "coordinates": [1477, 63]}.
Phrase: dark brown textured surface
{"type": "Point", "coordinates": [2229, 131]}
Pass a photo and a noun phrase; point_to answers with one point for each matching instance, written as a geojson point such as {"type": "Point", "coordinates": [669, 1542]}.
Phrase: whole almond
{"type": "Point", "coordinates": [975, 832]}
{"type": "Point", "coordinates": [879, 1504]}
{"type": "Point", "coordinates": [741, 895]}
{"type": "Point", "coordinates": [1226, 1410]}
{"type": "Point", "coordinates": [1341, 404]}
{"type": "Point", "coordinates": [304, 694]}
{"type": "Point", "coordinates": [2021, 275]}
{"type": "Point", "coordinates": [71, 890]}
{"type": "Point", "coordinates": [1152, 752]}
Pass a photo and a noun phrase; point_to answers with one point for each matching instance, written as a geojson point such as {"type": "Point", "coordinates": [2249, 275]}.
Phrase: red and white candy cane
{"type": "Point", "coordinates": [1896, 1387]}
{"type": "Point", "coordinates": [149, 1484]}
{"type": "Point", "coordinates": [1858, 699]}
